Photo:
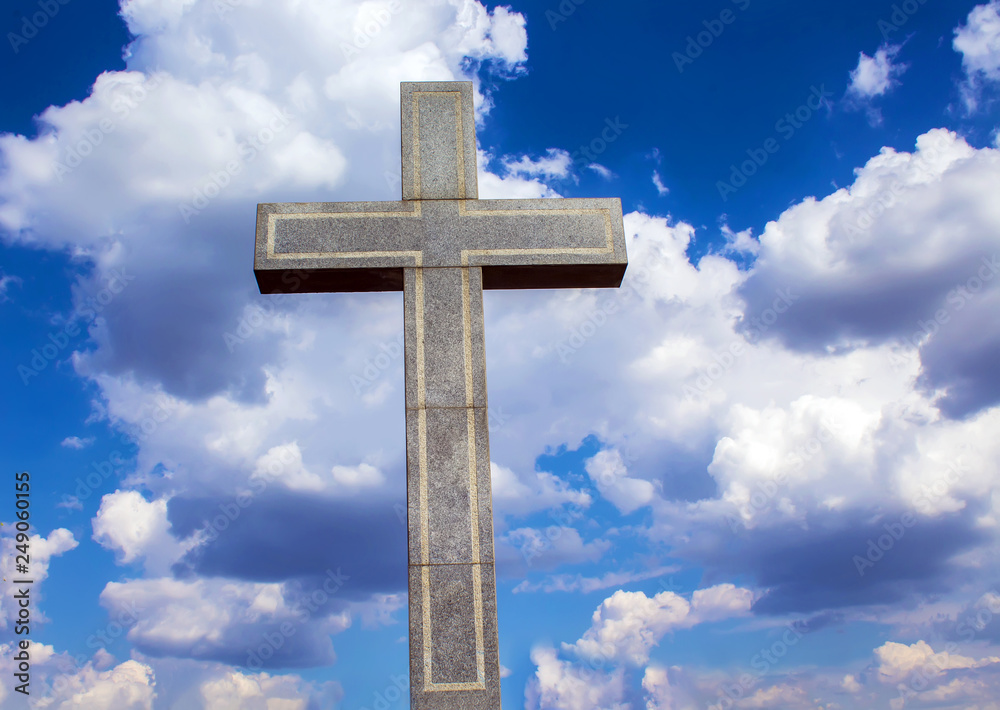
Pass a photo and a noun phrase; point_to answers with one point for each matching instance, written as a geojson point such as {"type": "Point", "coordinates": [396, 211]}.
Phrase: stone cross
{"type": "Point", "coordinates": [441, 246]}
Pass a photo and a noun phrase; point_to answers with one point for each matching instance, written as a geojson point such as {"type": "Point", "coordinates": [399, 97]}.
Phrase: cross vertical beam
{"type": "Point", "coordinates": [454, 656]}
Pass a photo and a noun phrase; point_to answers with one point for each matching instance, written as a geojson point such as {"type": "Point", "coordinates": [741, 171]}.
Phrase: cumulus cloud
{"type": "Point", "coordinates": [235, 690]}
{"type": "Point", "coordinates": [627, 625]}
{"type": "Point", "coordinates": [144, 683]}
{"type": "Point", "coordinates": [897, 661]}
{"type": "Point", "coordinates": [241, 623]}
{"type": "Point", "coordinates": [608, 472]}
{"type": "Point", "coordinates": [135, 528]}
{"type": "Point", "coordinates": [874, 77]}
{"type": "Point", "coordinates": [42, 550]}
{"type": "Point", "coordinates": [560, 685]}
{"type": "Point", "coordinates": [889, 261]}
{"type": "Point", "coordinates": [978, 41]}
{"type": "Point", "coordinates": [129, 685]}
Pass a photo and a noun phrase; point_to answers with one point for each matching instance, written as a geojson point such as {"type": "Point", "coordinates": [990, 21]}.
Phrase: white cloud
{"type": "Point", "coordinates": [661, 189]}
{"type": "Point", "coordinates": [892, 239]}
{"type": "Point", "coordinates": [361, 476]}
{"type": "Point", "coordinates": [978, 41]}
{"type": "Point", "coordinates": [5, 283]}
{"type": "Point", "coordinates": [875, 76]}
{"type": "Point", "coordinates": [608, 472]}
{"type": "Point", "coordinates": [783, 696]}
{"type": "Point", "coordinates": [656, 683]}
{"type": "Point", "coordinates": [627, 625]}
{"type": "Point", "coordinates": [129, 685]}
{"type": "Point", "coordinates": [546, 549]}
{"type": "Point", "coordinates": [519, 494]}
{"type": "Point", "coordinates": [555, 164]}
{"type": "Point", "coordinates": [41, 550]}
{"type": "Point", "coordinates": [601, 170]}
{"type": "Point", "coordinates": [742, 242]}
{"type": "Point", "coordinates": [235, 690]}
{"type": "Point", "coordinates": [144, 683]}
{"type": "Point", "coordinates": [559, 685]}
{"type": "Point", "coordinates": [283, 464]}
{"type": "Point", "coordinates": [723, 601]}
{"type": "Point", "coordinates": [581, 583]}
{"type": "Point", "coordinates": [897, 661]}
{"type": "Point", "coordinates": [135, 528]}
{"type": "Point", "coordinates": [219, 619]}
{"type": "Point", "coordinates": [75, 442]}
{"type": "Point", "coordinates": [850, 684]}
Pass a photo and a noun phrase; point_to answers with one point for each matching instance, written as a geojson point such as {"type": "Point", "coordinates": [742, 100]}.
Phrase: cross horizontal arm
{"type": "Point", "coordinates": [364, 246]}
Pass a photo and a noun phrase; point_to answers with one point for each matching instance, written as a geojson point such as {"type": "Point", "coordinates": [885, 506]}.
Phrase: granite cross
{"type": "Point", "coordinates": [441, 246]}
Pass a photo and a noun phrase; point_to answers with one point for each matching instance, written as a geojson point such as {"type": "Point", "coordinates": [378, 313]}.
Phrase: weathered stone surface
{"type": "Point", "coordinates": [454, 660]}
{"type": "Point", "coordinates": [442, 247]}
{"type": "Point", "coordinates": [439, 140]}
{"type": "Point", "coordinates": [448, 483]}
{"type": "Point", "coordinates": [446, 307]}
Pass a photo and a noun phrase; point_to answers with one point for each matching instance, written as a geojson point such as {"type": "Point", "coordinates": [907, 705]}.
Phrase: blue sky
{"type": "Point", "coordinates": [760, 474]}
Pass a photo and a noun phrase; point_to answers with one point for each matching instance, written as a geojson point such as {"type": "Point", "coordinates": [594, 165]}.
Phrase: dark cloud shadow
{"type": "Point", "coordinates": [830, 564]}
{"type": "Point", "coordinates": [287, 536]}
